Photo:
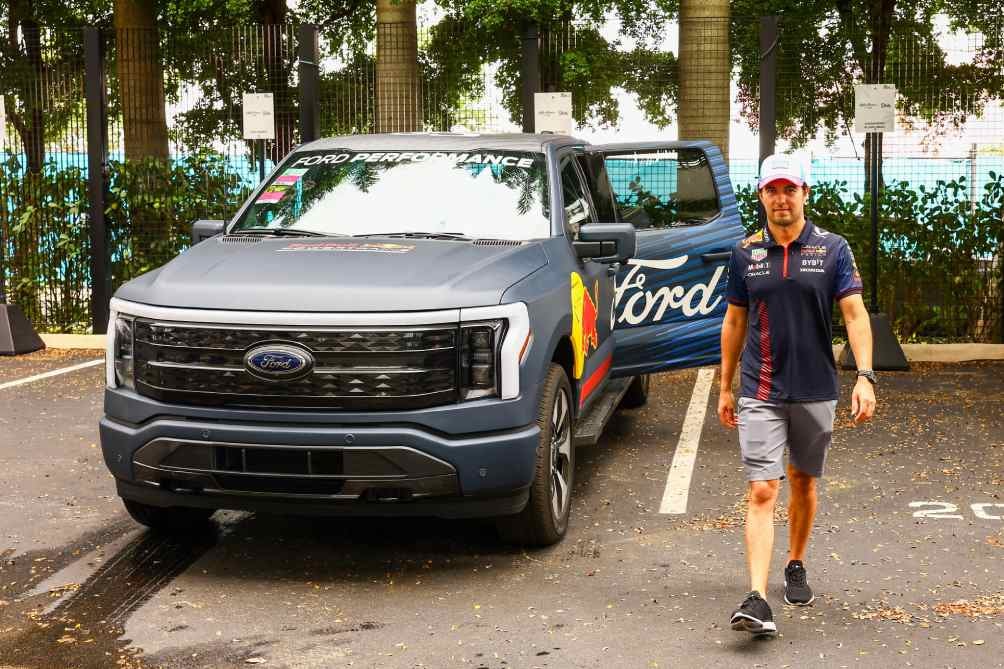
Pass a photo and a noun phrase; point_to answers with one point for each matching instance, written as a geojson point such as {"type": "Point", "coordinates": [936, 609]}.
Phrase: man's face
{"type": "Point", "coordinates": [784, 202]}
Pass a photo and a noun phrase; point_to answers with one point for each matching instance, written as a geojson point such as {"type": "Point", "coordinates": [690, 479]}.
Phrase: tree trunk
{"type": "Point", "coordinates": [398, 89]}
{"type": "Point", "coordinates": [705, 72]}
{"type": "Point", "coordinates": [141, 79]}
{"type": "Point", "coordinates": [29, 121]}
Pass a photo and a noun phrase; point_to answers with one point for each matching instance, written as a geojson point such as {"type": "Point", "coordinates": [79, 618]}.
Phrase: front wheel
{"type": "Point", "coordinates": [544, 520]}
{"type": "Point", "coordinates": [170, 519]}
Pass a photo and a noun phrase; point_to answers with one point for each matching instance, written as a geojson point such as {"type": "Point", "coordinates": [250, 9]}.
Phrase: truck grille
{"type": "Point", "coordinates": [354, 368]}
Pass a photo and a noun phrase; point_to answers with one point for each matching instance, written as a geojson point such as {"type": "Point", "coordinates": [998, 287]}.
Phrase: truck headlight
{"type": "Point", "coordinates": [122, 371]}
{"type": "Point", "coordinates": [479, 352]}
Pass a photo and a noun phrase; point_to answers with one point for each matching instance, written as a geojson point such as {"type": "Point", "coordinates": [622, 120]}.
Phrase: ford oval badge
{"type": "Point", "coordinates": [277, 362]}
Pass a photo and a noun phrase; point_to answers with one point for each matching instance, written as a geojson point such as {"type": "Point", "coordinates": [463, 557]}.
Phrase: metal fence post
{"type": "Point", "coordinates": [97, 155]}
{"type": "Point", "coordinates": [768, 94]}
{"type": "Point", "coordinates": [530, 73]}
{"type": "Point", "coordinates": [310, 110]}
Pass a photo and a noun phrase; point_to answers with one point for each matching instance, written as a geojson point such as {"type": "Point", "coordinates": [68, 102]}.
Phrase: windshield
{"type": "Point", "coordinates": [484, 194]}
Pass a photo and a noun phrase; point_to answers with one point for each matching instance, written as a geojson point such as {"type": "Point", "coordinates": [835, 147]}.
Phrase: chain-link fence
{"type": "Point", "coordinates": [176, 149]}
{"type": "Point", "coordinates": [175, 152]}
{"type": "Point", "coordinates": [43, 187]}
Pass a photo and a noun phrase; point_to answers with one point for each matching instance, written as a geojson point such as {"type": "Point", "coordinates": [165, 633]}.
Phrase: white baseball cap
{"type": "Point", "coordinates": [780, 166]}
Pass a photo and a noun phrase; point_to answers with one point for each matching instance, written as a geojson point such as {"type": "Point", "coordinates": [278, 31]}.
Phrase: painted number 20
{"type": "Point", "coordinates": [981, 510]}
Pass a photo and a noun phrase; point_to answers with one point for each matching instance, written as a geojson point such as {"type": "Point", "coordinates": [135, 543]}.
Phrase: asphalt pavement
{"type": "Point", "coordinates": [906, 556]}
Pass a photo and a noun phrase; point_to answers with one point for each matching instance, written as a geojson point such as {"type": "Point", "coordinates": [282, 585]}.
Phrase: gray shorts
{"type": "Point", "coordinates": [766, 428]}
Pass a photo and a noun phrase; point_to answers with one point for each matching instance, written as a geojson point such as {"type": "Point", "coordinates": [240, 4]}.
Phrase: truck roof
{"type": "Point", "coordinates": [432, 141]}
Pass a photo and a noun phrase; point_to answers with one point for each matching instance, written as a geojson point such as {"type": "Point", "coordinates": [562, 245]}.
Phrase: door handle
{"type": "Point", "coordinates": [715, 257]}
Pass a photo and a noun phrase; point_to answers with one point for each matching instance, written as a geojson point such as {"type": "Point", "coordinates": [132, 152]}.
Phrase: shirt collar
{"type": "Point", "coordinates": [803, 237]}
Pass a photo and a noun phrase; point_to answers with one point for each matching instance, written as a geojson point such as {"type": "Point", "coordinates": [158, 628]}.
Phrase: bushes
{"type": "Point", "coordinates": [149, 210]}
{"type": "Point", "coordinates": [940, 256]}
{"type": "Point", "coordinates": [152, 204]}
{"type": "Point", "coordinates": [940, 260]}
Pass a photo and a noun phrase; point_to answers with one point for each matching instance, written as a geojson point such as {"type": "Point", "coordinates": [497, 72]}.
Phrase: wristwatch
{"type": "Point", "coordinates": [868, 374]}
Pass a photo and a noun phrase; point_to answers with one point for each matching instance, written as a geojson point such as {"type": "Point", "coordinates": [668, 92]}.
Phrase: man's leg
{"type": "Point", "coordinates": [801, 511]}
{"type": "Point", "coordinates": [760, 531]}
{"type": "Point", "coordinates": [810, 433]}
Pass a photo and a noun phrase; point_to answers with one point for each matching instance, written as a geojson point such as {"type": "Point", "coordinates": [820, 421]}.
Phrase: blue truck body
{"type": "Point", "coordinates": [406, 373]}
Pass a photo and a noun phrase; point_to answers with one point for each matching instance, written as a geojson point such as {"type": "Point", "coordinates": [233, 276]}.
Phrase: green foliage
{"type": "Point", "coordinates": [48, 248]}
{"type": "Point", "coordinates": [150, 207]}
{"type": "Point", "coordinates": [826, 46]}
{"type": "Point", "coordinates": [938, 277]}
{"type": "Point", "coordinates": [152, 204]}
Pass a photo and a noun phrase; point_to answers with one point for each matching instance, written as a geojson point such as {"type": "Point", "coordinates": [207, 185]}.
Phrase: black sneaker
{"type": "Point", "coordinates": [796, 590]}
{"type": "Point", "coordinates": [754, 616]}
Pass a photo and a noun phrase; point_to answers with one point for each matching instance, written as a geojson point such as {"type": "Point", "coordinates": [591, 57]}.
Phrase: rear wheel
{"type": "Point", "coordinates": [544, 520]}
{"type": "Point", "coordinates": [637, 393]}
{"type": "Point", "coordinates": [172, 519]}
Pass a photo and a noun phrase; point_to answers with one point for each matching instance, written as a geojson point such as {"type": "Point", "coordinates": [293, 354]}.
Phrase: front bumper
{"type": "Point", "coordinates": [354, 469]}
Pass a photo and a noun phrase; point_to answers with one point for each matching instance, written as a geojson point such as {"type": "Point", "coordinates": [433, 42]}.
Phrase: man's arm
{"type": "Point", "coordinates": [859, 335]}
{"type": "Point", "coordinates": [733, 335]}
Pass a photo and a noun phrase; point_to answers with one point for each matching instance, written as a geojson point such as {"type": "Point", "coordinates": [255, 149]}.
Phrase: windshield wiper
{"type": "Point", "coordinates": [458, 236]}
{"type": "Point", "coordinates": [284, 232]}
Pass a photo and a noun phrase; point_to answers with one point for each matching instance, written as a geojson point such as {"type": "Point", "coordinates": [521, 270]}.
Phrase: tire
{"type": "Point", "coordinates": [171, 519]}
{"type": "Point", "coordinates": [544, 519]}
{"type": "Point", "coordinates": [637, 393]}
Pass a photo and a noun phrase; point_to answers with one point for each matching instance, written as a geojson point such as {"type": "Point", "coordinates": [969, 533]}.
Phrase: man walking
{"type": "Point", "coordinates": [783, 281]}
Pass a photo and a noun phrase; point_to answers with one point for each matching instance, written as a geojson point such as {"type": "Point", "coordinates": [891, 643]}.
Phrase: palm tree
{"type": "Point", "coordinates": [141, 79]}
{"type": "Point", "coordinates": [398, 93]}
{"type": "Point", "coordinates": [705, 71]}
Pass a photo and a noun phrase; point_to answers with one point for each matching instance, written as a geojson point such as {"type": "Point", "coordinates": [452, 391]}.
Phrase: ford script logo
{"type": "Point", "coordinates": [277, 362]}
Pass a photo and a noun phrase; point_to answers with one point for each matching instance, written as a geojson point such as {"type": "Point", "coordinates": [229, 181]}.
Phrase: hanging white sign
{"type": "Point", "coordinates": [259, 116]}
{"type": "Point", "coordinates": [552, 112]}
{"type": "Point", "coordinates": [874, 108]}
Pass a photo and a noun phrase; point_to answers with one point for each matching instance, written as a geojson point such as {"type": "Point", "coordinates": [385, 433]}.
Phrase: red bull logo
{"type": "Point", "coordinates": [585, 336]}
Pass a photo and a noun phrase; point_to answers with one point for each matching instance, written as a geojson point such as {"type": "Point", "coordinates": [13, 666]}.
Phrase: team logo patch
{"type": "Point", "coordinates": [817, 251]}
{"type": "Point", "coordinates": [759, 254]}
{"type": "Point", "coordinates": [755, 238]}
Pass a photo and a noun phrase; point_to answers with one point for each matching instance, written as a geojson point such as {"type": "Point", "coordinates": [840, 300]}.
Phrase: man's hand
{"type": "Point", "coordinates": [862, 401]}
{"type": "Point", "coordinates": [727, 408]}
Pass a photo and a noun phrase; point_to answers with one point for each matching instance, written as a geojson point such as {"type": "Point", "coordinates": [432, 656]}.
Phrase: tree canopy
{"type": "Point", "coordinates": [826, 46]}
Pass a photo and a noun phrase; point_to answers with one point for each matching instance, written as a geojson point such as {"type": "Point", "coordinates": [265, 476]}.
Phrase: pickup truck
{"type": "Point", "coordinates": [416, 324]}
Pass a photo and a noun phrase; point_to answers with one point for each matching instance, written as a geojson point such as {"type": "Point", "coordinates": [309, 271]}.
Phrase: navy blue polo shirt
{"type": "Point", "coordinates": [789, 292]}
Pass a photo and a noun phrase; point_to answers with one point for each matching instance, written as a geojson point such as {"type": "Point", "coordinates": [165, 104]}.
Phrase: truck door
{"type": "Point", "coordinates": [591, 291]}
{"type": "Point", "coordinates": [669, 300]}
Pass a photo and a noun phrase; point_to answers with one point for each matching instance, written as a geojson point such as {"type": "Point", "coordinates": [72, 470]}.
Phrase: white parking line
{"type": "Point", "coordinates": [55, 372]}
{"type": "Point", "coordinates": [674, 498]}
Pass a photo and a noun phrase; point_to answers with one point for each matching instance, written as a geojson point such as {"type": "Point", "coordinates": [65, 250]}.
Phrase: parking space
{"type": "Point", "coordinates": [18, 368]}
{"type": "Point", "coordinates": [906, 555]}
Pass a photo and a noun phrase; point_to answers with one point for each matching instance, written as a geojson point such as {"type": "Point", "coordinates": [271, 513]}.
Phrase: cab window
{"type": "Point", "coordinates": [577, 209]}
{"type": "Point", "coordinates": [662, 189]}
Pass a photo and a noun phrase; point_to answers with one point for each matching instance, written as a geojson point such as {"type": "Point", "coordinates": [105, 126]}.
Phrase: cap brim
{"type": "Point", "coordinates": [790, 179]}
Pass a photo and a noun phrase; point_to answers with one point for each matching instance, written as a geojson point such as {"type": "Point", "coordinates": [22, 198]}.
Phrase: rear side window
{"type": "Point", "coordinates": [662, 189]}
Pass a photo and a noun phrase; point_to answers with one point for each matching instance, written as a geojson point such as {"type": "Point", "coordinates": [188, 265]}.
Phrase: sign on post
{"type": "Point", "coordinates": [874, 108]}
{"type": "Point", "coordinates": [552, 112]}
{"type": "Point", "coordinates": [259, 116]}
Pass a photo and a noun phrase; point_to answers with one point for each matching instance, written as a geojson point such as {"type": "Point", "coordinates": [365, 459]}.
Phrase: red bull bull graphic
{"type": "Point", "coordinates": [585, 336]}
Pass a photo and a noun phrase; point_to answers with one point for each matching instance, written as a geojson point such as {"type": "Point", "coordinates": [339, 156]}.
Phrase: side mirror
{"type": "Point", "coordinates": [203, 230]}
{"type": "Point", "coordinates": [607, 242]}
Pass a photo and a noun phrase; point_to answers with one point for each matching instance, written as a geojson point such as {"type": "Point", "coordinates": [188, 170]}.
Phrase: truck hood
{"type": "Point", "coordinates": [335, 274]}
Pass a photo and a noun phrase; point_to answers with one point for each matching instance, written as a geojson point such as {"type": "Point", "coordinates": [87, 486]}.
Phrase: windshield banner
{"type": "Point", "coordinates": [458, 158]}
